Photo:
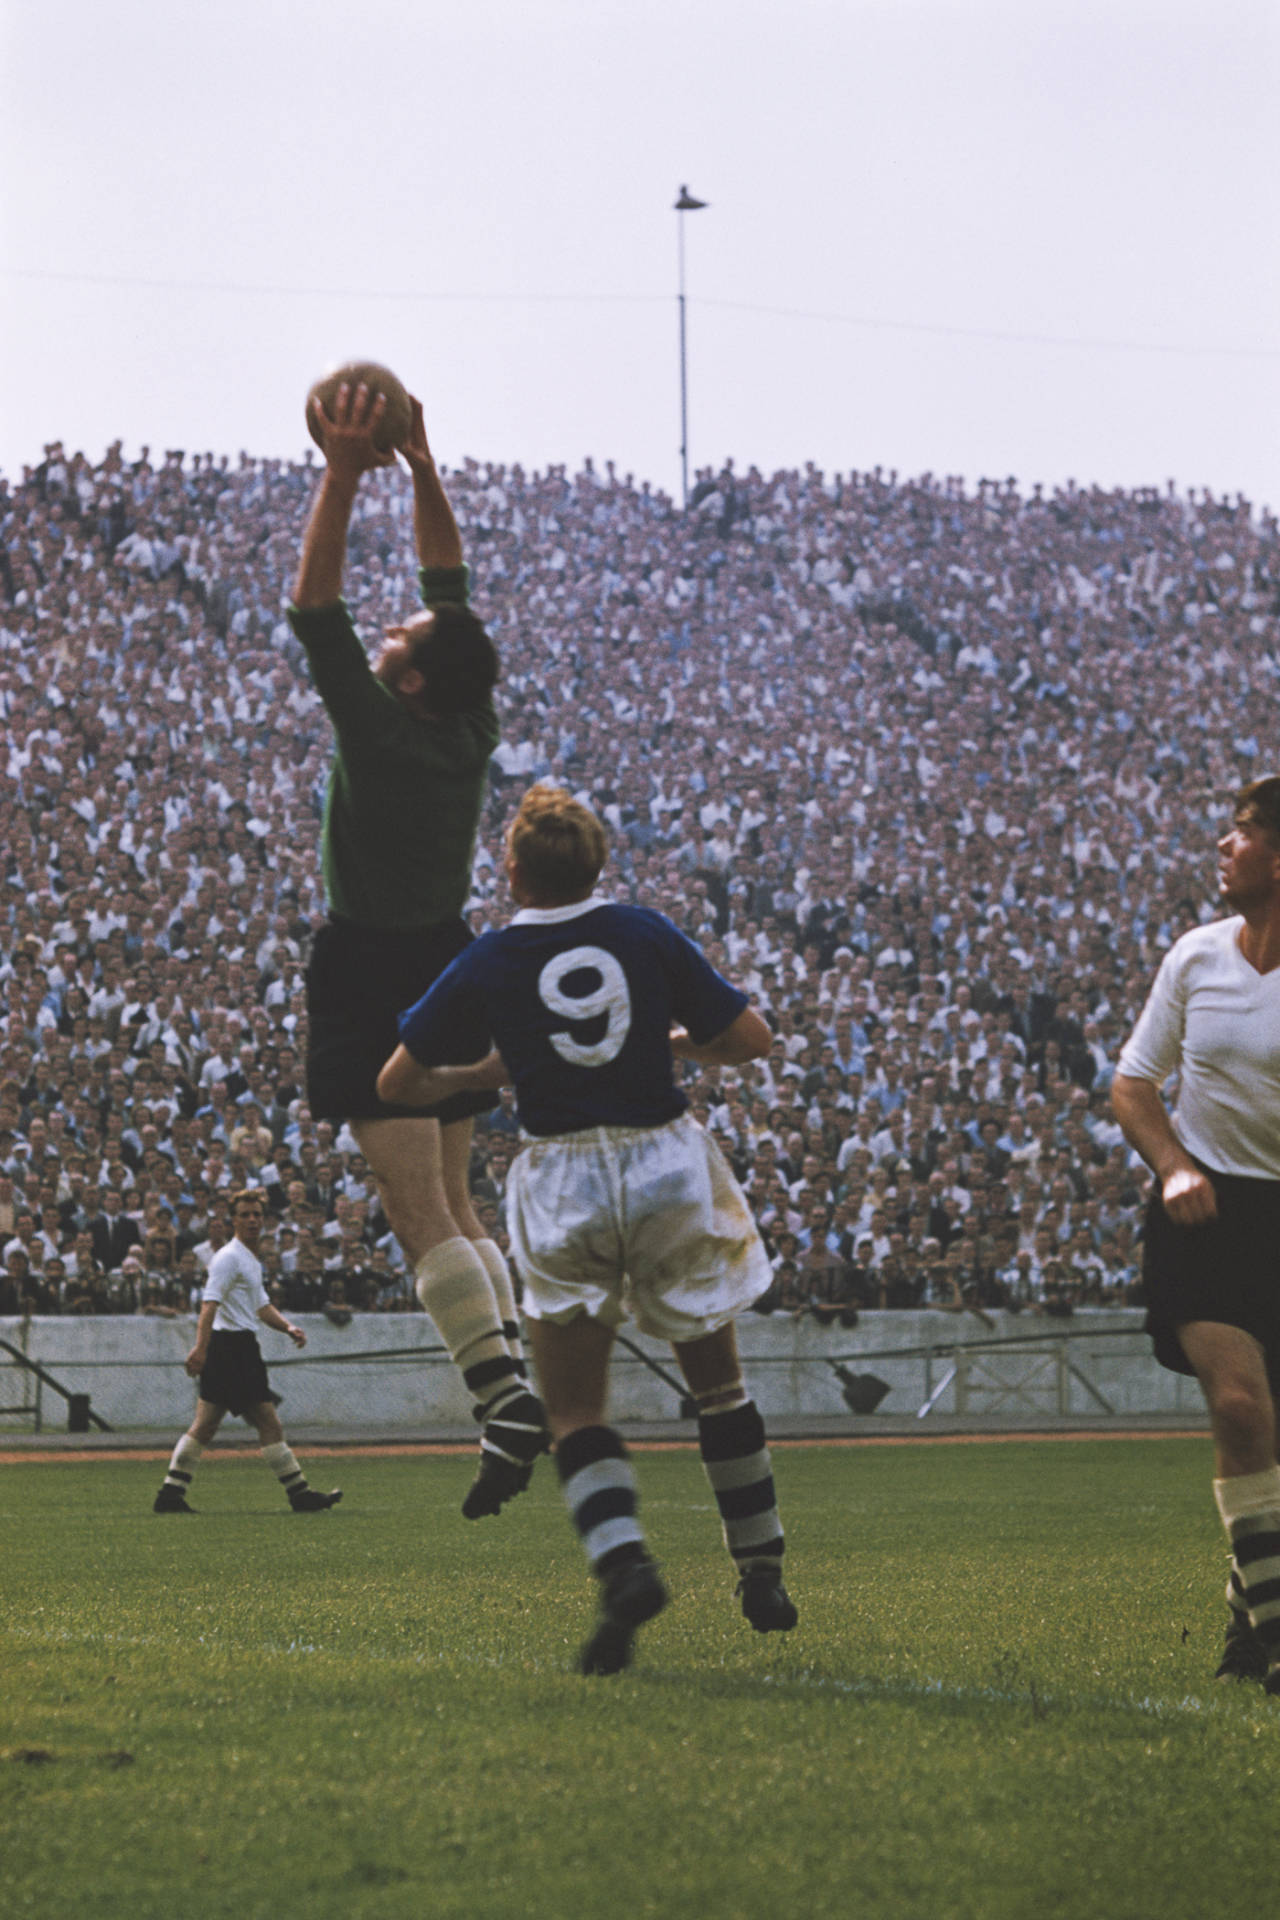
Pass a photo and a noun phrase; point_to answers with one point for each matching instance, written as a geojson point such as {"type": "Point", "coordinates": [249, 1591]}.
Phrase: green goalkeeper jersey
{"type": "Point", "coordinates": [405, 792]}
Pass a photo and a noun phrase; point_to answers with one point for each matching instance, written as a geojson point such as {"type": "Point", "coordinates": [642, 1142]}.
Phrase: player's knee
{"type": "Point", "coordinates": [1242, 1410]}
{"type": "Point", "coordinates": [419, 1206]}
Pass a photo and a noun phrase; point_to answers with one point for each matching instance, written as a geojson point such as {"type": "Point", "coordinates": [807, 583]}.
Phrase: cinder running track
{"type": "Point", "coordinates": [52, 1448]}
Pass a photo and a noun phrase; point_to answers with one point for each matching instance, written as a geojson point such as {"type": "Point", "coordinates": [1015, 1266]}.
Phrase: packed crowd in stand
{"type": "Point", "coordinates": [928, 769]}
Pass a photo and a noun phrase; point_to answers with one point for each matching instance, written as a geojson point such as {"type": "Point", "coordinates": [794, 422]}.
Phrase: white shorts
{"type": "Point", "coordinates": [646, 1222]}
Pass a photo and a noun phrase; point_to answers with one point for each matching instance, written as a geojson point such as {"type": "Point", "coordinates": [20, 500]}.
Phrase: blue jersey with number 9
{"type": "Point", "coordinates": [580, 1002]}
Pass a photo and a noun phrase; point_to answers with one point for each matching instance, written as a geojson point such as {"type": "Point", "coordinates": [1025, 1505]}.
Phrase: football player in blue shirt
{"type": "Point", "coordinates": [619, 1203]}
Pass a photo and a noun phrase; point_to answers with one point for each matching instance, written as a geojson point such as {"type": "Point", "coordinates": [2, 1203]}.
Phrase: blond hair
{"type": "Point", "coordinates": [558, 844]}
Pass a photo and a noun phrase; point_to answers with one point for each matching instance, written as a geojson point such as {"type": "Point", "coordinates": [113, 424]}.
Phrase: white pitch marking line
{"type": "Point", "coordinates": [904, 1688]}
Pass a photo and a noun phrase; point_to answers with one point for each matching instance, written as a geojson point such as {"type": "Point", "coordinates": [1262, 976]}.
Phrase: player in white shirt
{"type": "Point", "coordinates": [1211, 1264]}
{"type": "Point", "coordinates": [620, 1203]}
{"type": "Point", "coordinates": [227, 1361]}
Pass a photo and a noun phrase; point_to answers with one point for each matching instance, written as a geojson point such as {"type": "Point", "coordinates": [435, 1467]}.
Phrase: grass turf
{"type": "Point", "coordinates": [999, 1700]}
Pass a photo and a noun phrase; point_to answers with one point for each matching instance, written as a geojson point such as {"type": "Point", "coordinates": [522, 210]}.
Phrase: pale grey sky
{"type": "Point", "coordinates": [1028, 237]}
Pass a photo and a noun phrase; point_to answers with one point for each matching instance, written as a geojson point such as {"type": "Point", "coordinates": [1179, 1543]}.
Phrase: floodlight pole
{"type": "Point", "coordinates": [686, 203]}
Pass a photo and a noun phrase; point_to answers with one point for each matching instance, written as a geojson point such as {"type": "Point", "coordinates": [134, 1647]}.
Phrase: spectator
{"type": "Point", "coordinates": [977, 783]}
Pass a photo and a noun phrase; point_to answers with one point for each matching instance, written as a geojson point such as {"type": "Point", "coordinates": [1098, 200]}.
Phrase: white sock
{"type": "Point", "coordinates": [285, 1467]}
{"type": "Point", "coordinates": [1250, 1507]}
{"type": "Point", "coordinates": [495, 1265]}
{"type": "Point", "coordinates": [1246, 1494]}
{"type": "Point", "coordinates": [185, 1460]}
{"type": "Point", "coordinates": [453, 1284]}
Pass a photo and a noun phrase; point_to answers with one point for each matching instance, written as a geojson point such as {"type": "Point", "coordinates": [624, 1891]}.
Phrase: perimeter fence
{"type": "Point", "coordinates": [372, 1375]}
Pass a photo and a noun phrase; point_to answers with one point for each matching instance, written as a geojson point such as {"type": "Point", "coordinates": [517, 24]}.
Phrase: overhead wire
{"type": "Point", "coordinates": [870, 322]}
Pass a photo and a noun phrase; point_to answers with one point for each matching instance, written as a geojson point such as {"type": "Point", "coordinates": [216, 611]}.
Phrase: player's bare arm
{"type": "Point", "coordinates": [1144, 1120]}
{"type": "Point", "coordinates": [199, 1354]}
{"type": "Point", "coordinates": [435, 530]}
{"type": "Point", "coordinates": [349, 452]}
{"type": "Point", "coordinates": [749, 1038]}
{"type": "Point", "coordinates": [405, 1082]}
{"type": "Point", "coordinates": [270, 1317]}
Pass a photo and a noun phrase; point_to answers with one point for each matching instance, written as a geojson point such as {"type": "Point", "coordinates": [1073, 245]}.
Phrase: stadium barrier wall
{"type": "Point", "coordinates": [361, 1376]}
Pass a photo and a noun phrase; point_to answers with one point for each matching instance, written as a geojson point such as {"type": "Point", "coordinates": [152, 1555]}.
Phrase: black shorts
{"type": "Point", "coordinates": [235, 1374]}
{"type": "Point", "coordinates": [1226, 1270]}
{"type": "Point", "coordinates": [358, 980]}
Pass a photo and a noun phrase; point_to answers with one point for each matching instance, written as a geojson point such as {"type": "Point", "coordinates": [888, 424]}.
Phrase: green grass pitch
{"type": "Point", "coordinates": [999, 1700]}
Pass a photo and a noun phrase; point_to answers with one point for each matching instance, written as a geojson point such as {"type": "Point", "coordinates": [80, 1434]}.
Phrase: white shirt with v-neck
{"type": "Point", "coordinates": [1216, 1020]}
